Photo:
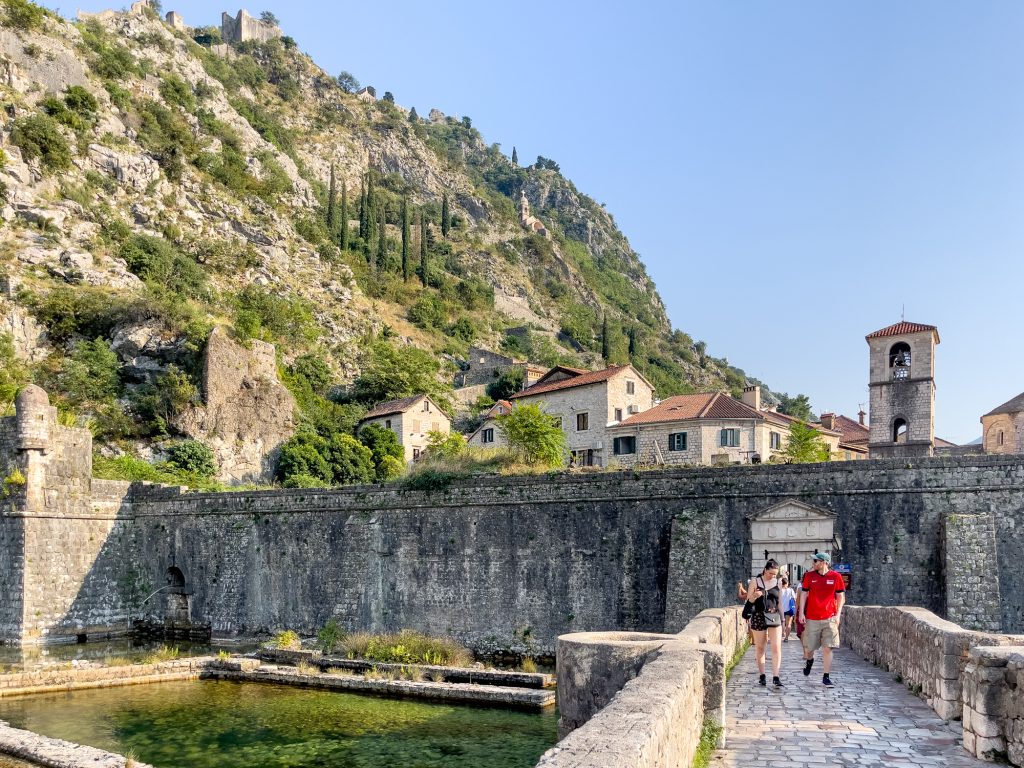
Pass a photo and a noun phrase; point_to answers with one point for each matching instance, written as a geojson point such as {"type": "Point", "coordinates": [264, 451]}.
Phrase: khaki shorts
{"type": "Point", "coordinates": [823, 633]}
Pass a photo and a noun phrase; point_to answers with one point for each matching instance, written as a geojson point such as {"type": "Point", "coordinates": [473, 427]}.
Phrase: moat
{"type": "Point", "coordinates": [209, 724]}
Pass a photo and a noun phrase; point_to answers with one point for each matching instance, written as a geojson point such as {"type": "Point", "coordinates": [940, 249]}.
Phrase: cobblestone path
{"type": "Point", "coordinates": [867, 719]}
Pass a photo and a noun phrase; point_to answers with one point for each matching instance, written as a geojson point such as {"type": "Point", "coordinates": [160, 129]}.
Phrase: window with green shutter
{"type": "Point", "coordinates": [677, 441]}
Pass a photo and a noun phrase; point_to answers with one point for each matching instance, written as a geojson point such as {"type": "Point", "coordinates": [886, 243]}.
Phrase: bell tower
{"type": "Point", "coordinates": [902, 382]}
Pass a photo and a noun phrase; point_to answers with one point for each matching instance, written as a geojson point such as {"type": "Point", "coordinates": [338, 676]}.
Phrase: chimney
{"type": "Point", "coordinates": [861, 415]}
{"type": "Point", "coordinates": [752, 397]}
{"type": "Point", "coordinates": [828, 420]}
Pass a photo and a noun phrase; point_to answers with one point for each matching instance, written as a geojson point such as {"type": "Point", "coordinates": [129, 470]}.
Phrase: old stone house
{"type": "Point", "coordinates": [412, 419]}
{"type": "Point", "coordinates": [1002, 428]}
{"type": "Point", "coordinates": [587, 404]}
{"type": "Point", "coordinates": [854, 435]}
{"type": "Point", "coordinates": [484, 366]}
{"type": "Point", "coordinates": [706, 428]}
{"type": "Point", "coordinates": [487, 434]}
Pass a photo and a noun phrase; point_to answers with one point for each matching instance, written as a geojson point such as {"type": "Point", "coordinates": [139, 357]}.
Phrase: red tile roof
{"type": "Point", "coordinates": [902, 328]}
{"type": "Point", "coordinates": [705, 405]}
{"type": "Point", "coordinates": [394, 406]}
{"type": "Point", "coordinates": [580, 379]}
{"type": "Point", "coordinates": [852, 431]}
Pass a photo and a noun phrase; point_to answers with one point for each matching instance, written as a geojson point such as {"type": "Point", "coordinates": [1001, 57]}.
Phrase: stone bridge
{"type": "Point", "coordinates": [912, 689]}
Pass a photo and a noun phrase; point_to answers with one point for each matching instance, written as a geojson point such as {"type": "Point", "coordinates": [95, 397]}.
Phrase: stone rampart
{"type": "Point", "coordinates": [926, 652]}
{"type": "Point", "coordinates": [641, 700]}
{"type": "Point", "coordinates": [993, 695]}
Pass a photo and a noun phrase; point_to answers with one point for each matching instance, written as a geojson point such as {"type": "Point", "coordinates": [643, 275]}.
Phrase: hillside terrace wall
{"type": "Point", "coordinates": [500, 563]}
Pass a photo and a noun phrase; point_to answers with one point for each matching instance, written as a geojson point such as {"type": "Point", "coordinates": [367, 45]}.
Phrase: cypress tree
{"type": "Point", "coordinates": [632, 343]}
{"type": "Point", "coordinates": [344, 216]}
{"type": "Point", "coordinates": [362, 209]}
{"type": "Point", "coordinates": [606, 347]}
{"type": "Point", "coordinates": [413, 117]}
{"type": "Point", "coordinates": [445, 219]}
{"type": "Point", "coordinates": [515, 157]}
{"type": "Point", "coordinates": [332, 213]}
{"type": "Point", "coordinates": [382, 243]}
{"type": "Point", "coordinates": [423, 249]}
{"type": "Point", "coordinates": [405, 239]}
{"type": "Point", "coordinates": [371, 221]}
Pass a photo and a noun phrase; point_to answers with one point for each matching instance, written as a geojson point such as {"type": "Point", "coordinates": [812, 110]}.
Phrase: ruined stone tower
{"type": "Point", "coordinates": [902, 381]}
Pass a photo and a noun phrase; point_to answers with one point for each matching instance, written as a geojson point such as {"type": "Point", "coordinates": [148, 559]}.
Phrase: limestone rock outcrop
{"type": "Point", "coordinates": [247, 413]}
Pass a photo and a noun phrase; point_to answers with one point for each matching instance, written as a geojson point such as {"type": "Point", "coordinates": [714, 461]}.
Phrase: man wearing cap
{"type": "Point", "coordinates": [822, 596]}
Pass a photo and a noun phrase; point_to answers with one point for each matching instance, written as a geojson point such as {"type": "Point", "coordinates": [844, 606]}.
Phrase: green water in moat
{"type": "Point", "coordinates": [210, 724]}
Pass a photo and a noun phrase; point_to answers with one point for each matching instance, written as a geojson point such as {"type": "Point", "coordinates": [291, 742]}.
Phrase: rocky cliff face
{"type": "Point", "coordinates": [151, 189]}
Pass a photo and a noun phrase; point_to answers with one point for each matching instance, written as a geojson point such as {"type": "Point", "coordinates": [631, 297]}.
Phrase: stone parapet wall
{"type": "Point", "coordinates": [56, 753]}
{"type": "Point", "coordinates": [993, 696]}
{"type": "Point", "coordinates": [671, 686]}
{"type": "Point", "coordinates": [971, 549]}
{"type": "Point", "coordinates": [69, 678]}
{"type": "Point", "coordinates": [926, 652]}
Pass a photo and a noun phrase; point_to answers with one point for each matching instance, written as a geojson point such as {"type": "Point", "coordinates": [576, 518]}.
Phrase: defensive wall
{"type": "Point", "coordinates": [500, 563]}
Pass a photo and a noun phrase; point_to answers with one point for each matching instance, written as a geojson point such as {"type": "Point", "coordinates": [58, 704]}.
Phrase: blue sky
{"type": "Point", "coordinates": [793, 174]}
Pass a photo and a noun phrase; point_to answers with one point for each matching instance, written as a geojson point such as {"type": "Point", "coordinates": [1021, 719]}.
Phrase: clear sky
{"type": "Point", "coordinates": [795, 175]}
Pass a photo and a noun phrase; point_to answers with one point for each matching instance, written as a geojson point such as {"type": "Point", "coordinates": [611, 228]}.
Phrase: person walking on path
{"type": "Point", "coordinates": [788, 608]}
{"type": "Point", "coordinates": [822, 596]}
{"type": "Point", "coordinates": [765, 599]}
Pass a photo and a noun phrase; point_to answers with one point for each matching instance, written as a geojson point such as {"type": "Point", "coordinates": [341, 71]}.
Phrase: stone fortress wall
{"type": "Point", "coordinates": [500, 563]}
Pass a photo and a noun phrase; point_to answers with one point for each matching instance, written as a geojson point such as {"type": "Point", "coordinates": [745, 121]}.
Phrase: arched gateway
{"type": "Point", "coordinates": [790, 532]}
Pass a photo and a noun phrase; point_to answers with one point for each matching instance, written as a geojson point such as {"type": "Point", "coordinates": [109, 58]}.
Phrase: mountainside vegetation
{"type": "Point", "coordinates": [155, 184]}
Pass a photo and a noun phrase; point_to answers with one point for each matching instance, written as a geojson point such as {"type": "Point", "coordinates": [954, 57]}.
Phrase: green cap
{"type": "Point", "coordinates": [825, 556]}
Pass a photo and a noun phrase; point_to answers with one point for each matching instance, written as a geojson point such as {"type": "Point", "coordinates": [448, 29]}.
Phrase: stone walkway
{"type": "Point", "coordinates": [867, 719]}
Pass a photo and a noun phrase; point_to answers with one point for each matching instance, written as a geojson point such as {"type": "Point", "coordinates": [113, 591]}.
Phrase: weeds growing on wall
{"type": "Point", "coordinates": [406, 647]}
{"type": "Point", "coordinates": [708, 744]}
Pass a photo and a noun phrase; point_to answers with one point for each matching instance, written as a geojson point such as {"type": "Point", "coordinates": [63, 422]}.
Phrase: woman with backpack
{"type": "Point", "coordinates": [764, 607]}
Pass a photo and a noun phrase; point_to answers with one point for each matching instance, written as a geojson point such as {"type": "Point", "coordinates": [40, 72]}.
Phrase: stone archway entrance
{"type": "Point", "coordinates": [177, 611]}
{"type": "Point", "coordinates": [790, 532]}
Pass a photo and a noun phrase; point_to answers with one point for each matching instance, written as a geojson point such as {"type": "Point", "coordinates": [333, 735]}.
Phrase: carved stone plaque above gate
{"type": "Point", "coordinates": [790, 531]}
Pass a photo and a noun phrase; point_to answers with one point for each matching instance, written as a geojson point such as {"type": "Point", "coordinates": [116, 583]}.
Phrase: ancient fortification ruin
{"type": "Point", "coordinates": [500, 563]}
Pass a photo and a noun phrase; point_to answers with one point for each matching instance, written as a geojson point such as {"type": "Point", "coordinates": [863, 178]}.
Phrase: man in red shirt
{"type": "Point", "coordinates": [822, 596]}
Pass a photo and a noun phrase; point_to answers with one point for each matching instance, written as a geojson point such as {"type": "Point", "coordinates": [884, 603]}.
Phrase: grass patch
{"type": "Point", "coordinates": [340, 672]}
{"type": "Point", "coordinates": [740, 651]}
{"type": "Point", "coordinates": [406, 647]}
{"type": "Point", "coordinates": [116, 661]}
{"type": "Point", "coordinates": [288, 640]}
{"type": "Point", "coordinates": [708, 744]}
{"type": "Point", "coordinates": [528, 665]}
{"type": "Point", "coordinates": [305, 668]}
{"type": "Point", "coordinates": [163, 653]}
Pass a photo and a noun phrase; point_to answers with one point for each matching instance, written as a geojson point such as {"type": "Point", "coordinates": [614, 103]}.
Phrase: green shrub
{"type": "Point", "coordinates": [13, 373]}
{"type": "Point", "coordinates": [340, 460]}
{"type": "Point", "coordinates": [305, 481]}
{"type": "Point", "coordinates": [22, 14]}
{"type": "Point", "coordinates": [383, 445]}
{"type": "Point", "coordinates": [445, 445]}
{"type": "Point", "coordinates": [390, 373]}
{"type": "Point", "coordinates": [507, 384]}
{"type": "Point", "coordinates": [288, 640]}
{"type": "Point", "coordinates": [428, 312]}
{"type": "Point", "coordinates": [329, 637]}
{"type": "Point", "coordinates": [284, 318]}
{"type": "Point", "coordinates": [38, 136]}
{"type": "Point", "coordinates": [406, 647]}
{"type": "Point", "coordinates": [176, 91]}
{"type": "Point", "coordinates": [534, 435]}
{"type": "Point", "coordinates": [167, 136]}
{"type": "Point", "coordinates": [193, 457]}
{"type": "Point", "coordinates": [158, 403]}
{"type": "Point", "coordinates": [89, 375]}
{"type": "Point", "coordinates": [112, 61]}
{"type": "Point", "coordinates": [158, 262]}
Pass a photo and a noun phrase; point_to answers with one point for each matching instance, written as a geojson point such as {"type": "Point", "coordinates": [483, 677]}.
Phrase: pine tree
{"type": "Point", "coordinates": [515, 157]}
{"type": "Point", "coordinates": [343, 242]}
{"type": "Point", "coordinates": [405, 239]}
{"type": "Point", "coordinates": [445, 217]}
{"type": "Point", "coordinates": [606, 347]}
{"type": "Point", "coordinates": [382, 243]}
{"type": "Point", "coordinates": [332, 222]}
{"type": "Point", "coordinates": [423, 249]}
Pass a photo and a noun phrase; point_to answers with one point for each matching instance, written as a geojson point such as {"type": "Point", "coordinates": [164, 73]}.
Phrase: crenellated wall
{"type": "Point", "coordinates": [500, 563]}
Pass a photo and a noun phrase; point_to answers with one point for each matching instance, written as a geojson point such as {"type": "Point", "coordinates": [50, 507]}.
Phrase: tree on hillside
{"type": "Point", "coordinates": [362, 208]}
{"type": "Point", "coordinates": [799, 407]}
{"type": "Point", "coordinates": [405, 239]}
{"type": "Point", "coordinates": [515, 157]}
{"type": "Point", "coordinates": [606, 344]}
{"type": "Point", "coordinates": [390, 373]}
{"type": "Point", "coordinates": [634, 347]}
{"type": "Point", "coordinates": [413, 116]}
{"type": "Point", "coordinates": [508, 383]}
{"type": "Point", "coordinates": [332, 211]}
{"type": "Point", "coordinates": [347, 82]}
{"type": "Point", "coordinates": [805, 445]}
{"type": "Point", "coordinates": [423, 249]}
{"type": "Point", "coordinates": [534, 436]}
{"type": "Point", "coordinates": [382, 240]}
{"type": "Point", "coordinates": [388, 456]}
{"type": "Point", "coordinates": [445, 216]}
{"type": "Point", "coordinates": [389, 97]}
{"type": "Point", "coordinates": [268, 17]}
{"type": "Point", "coordinates": [343, 240]}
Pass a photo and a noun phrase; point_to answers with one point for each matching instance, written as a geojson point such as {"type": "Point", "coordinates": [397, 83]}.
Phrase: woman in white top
{"type": "Point", "coordinates": [789, 608]}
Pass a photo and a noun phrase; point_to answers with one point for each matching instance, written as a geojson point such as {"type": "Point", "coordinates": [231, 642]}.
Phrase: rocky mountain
{"type": "Point", "coordinates": [157, 183]}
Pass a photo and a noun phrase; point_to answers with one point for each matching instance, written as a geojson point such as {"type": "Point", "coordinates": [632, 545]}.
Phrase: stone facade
{"type": "Point", "coordinates": [1002, 429]}
{"type": "Point", "coordinates": [902, 384]}
{"type": "Point", "coordinates": [486, 366]}
{"type": "Point", "coordinates": [243, 27]}
{"type": "Point", "coordinates": [971, 547]}
{"type": "Point", "coordinates": [993, 699]}
{"type": "Point", "coordinates": [412, 421]}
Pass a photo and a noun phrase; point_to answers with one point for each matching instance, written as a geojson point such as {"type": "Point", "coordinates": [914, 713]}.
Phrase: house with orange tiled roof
{"type": "Point", "coordinates": [586, 404]}
{"type": "Point", "coordinates": [412, 419]}
{"type": "Point", "coordinates": [853, 443]}
{"type": "Point", "coordinates": [706, 428]}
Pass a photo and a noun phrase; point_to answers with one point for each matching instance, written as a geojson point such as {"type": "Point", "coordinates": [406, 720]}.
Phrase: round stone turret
{"type": "Point", "coordinates": [35, 418]}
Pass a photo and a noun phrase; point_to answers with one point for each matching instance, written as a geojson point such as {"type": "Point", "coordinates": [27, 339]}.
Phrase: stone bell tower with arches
{"type": "Point", "coordinates": [902, 382]}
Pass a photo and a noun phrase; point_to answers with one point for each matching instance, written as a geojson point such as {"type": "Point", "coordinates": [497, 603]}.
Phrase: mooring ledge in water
{"type": "Point", "coordinates": [57, 753]}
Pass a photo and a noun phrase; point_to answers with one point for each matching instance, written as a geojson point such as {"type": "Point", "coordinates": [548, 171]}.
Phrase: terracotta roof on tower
{"type": "Point", "coordinates": [902, 328]}
{"type": "Point", "coordinates": [1010, 406]}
